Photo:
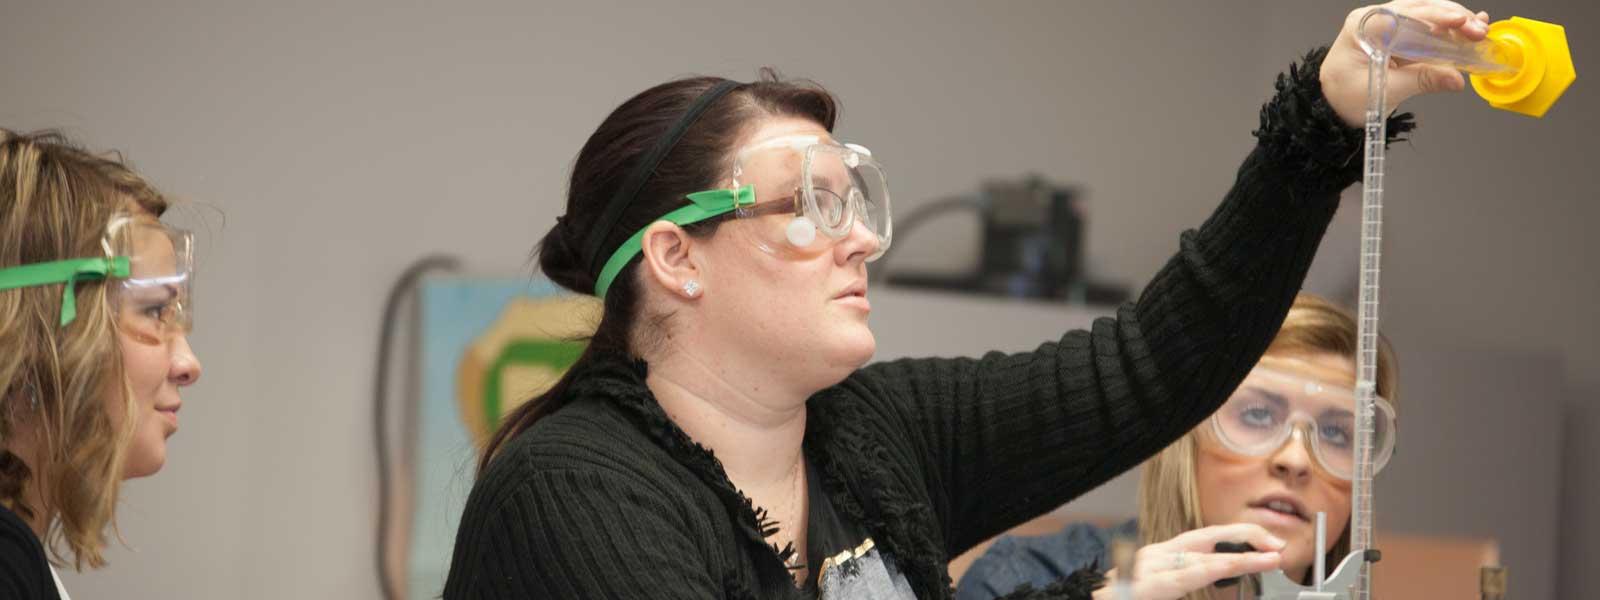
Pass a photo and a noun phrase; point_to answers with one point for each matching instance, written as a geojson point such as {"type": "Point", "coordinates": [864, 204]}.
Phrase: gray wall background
{"type": "Point", "coordinates": [344, 139]}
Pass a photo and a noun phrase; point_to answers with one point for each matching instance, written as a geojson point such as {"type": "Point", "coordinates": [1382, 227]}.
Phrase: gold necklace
{"type": "Point", "coordinates": [787, 510]}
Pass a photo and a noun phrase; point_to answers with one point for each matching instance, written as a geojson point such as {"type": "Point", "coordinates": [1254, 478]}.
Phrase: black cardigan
{"type": "Point", "coordinates": [607, 498]}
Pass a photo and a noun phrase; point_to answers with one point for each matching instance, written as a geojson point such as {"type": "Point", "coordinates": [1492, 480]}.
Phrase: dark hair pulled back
{"type": "Point", "coordinates": [699, 161]}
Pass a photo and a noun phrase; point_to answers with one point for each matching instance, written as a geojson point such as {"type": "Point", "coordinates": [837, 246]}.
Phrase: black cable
{"type": "Point", "coordinates": [917, 217]}
{"type": "Point", "coordinates": [408, 280]}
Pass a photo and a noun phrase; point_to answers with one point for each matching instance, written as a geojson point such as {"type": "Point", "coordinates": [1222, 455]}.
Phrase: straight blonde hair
{"type": "Point", "coordinates": [1169, 495]}
{"type": "Point", "coordinates": [56, 201]}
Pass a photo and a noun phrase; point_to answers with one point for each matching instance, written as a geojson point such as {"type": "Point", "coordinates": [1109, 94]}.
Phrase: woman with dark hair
{"type": "Point", "coordinates": [720, 437]}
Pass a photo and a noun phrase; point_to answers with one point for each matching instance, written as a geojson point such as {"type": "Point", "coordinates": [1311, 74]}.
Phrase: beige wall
{"type": "Point", "coordinates": [344, 139]}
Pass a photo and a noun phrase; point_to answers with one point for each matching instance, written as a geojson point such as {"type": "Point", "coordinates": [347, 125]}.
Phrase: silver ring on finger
{"type": "Point", "coordinates": [1180, 560]}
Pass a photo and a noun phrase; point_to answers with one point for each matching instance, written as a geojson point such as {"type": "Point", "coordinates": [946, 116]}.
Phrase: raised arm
{"type": "Point", "coordinates": [1007, 437]}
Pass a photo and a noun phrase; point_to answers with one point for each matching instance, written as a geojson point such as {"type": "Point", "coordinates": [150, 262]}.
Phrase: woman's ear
{"type": "Point", "coordinates": [668, 261]}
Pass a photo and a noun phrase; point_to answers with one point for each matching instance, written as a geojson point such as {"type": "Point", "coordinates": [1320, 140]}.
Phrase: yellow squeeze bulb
{"type": "Point", "coordinates": [1545, 71]}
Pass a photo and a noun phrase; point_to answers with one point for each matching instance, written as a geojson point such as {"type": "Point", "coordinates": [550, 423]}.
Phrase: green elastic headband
{"type": "Point", "coordinates": [704, 205]}
{"type": "Point", "coordinates": [64, 271]}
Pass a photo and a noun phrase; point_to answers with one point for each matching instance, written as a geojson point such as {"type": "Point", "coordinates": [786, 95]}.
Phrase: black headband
{"type": "Point", "coordinates": [643, 171]}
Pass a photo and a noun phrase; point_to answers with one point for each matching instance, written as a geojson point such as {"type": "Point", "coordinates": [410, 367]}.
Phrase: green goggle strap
{"type": "Point", "coordinates": [64, 271]}
{"type": "Point", "coordinates": [703, 205]}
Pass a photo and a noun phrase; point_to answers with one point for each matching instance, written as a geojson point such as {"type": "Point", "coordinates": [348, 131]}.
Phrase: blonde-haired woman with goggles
{"type": "Point", "coordinates": [1279, 451]}
{"type": "Point", "coordinates": [94, 316]}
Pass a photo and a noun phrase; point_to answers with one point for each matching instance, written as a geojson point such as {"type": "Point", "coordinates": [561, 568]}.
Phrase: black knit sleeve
{"type": "Point", "coordinates": [575, 534]}
{"type": "Point", "coordinates": [1007, 437]}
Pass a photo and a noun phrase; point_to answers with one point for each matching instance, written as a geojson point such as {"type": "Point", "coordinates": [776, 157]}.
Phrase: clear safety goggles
{"type": "Point", "coordinates": [828, 188]}
{"type": "Point", "coordinates": [149, 272]}
{"type": "Point", "coordinates": [825, 188]}
{"type": "Point", "coordinates": [1270, 407]}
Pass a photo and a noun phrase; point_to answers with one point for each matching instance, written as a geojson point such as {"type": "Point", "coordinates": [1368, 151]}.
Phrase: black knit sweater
{"type": "Point", "coordinates": [607, 498]}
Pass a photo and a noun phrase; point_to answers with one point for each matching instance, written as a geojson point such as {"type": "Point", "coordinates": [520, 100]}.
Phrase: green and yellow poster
{"type": "Point", "coordinates": [487, 345]}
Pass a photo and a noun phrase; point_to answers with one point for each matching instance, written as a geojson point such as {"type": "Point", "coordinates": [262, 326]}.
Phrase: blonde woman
{"type": "Point", "coordinates": [94, 313]}
{"type": "Point", "coordinates": [1277, 453]}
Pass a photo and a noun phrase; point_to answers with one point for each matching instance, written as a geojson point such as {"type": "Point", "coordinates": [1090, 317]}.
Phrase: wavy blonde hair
{"type": "Point", "coordinates": [1169, 495]}
{"type": "Point", "coordinates": [56, 200]}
